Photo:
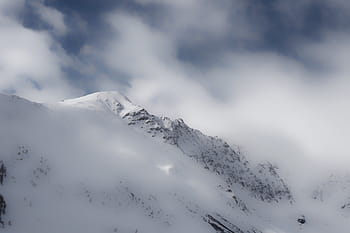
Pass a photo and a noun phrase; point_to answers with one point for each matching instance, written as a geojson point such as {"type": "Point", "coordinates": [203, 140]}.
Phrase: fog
{"type": "Point", "coordinates": [220, 69]}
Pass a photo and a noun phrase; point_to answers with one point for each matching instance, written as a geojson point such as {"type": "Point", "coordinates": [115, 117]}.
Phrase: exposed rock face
{"type": "Point", "coordinates": [214, 154]}
{"type": "Point", "coordinates": [2, 172]}
{"type": "Point", "coordinates": [301, 220]}
{"type": "Point", "coordinates": [2, 199]}
{"type": "Point", "coordinates": [222, 225]}
{"type": "Point", "coordinates": [2, 210]}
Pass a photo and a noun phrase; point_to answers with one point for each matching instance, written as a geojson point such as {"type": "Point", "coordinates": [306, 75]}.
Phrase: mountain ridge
{"type": "Point", "coordinates": [213, 153]}
{"type": "Point", "coordinates": [104, 164]}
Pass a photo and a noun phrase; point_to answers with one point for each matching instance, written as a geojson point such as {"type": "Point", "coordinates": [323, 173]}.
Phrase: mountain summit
{"type": "Point", "coordinates": [110, 100]}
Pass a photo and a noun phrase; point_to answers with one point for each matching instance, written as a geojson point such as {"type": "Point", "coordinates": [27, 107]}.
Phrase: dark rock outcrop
{"type": "Point", "coordinates": [214, 154]}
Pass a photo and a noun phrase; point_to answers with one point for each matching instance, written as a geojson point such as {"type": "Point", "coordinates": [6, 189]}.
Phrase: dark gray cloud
{"type": "Point", "coordinates": [277, 25]}
{"type": "Point", "coordinates": [250, 26]}
{"type": "Point", "coordinates": [85, 18]}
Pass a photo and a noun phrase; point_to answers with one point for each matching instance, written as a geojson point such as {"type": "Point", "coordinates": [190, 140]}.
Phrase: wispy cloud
{"type": "Point", "coordinates": [31, 61]}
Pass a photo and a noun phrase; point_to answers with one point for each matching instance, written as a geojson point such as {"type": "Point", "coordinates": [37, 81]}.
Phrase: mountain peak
{"type": "Point", "coordinates": [112, 101]}
{"type": "Point", "coordinates": [212, 153]}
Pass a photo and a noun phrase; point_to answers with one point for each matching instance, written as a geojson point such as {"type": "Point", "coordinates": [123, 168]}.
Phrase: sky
{"type": "Point", "coordinates": [269, 75]}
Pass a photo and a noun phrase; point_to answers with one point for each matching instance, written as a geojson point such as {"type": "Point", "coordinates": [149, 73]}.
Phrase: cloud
{"type": "Point", "coordinates": [271, 77]}
{"type": "Point", "coordinates": [291, 110]}
{"type": "Point", "coordinates": [31, 61]}
{"type": "Point", "coordinates": [52, 17]}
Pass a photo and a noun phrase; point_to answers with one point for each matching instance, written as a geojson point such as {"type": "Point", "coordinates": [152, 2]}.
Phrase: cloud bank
{"type": "Point", "coordinates": [270, 76]}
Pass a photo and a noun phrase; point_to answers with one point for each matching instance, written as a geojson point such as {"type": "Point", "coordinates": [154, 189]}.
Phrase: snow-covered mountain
{"type": "Point", "coordinates": [212, 153]}
{"type": "Point", "coordinates": [100, 163]}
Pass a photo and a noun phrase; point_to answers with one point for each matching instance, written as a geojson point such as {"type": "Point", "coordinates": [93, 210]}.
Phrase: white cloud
{"type": "Point", "coordinates": [52, 17]}
{"type": "Point", "coordinates": [10, 8]}
{"type": "Point", "coordinates": [276, 107]}
{"type": "Point", "coordinates": [30, 61]}
{"type": "Point", "coordinates": [196, 20]}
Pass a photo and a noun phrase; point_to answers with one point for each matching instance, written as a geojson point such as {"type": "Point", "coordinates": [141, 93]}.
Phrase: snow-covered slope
{"type": "Point", "coordinates": [99, 163]}
{"type": "Point", "coordinates": [104, 101]}
{"type": "Point", "coordinates": [212, 153]}
{"type": "Point", "coordinates": [335, 192]}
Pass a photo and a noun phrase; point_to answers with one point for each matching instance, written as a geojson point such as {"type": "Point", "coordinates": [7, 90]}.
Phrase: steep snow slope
{"type": "Point", "coordinates": [77, 170]}
{"type": "Point", "coordinates": [336, 193]}
{"type": "Point", "coordinates": [104, 101]}
{"type": "Point", "coordinates": [212, 153]}
{"type": "Point", "coordinates": [102, 164]}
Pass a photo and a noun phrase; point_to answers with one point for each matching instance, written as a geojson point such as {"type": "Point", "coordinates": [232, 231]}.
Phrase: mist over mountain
{"type": "Point", "coordinates": [174, 116]}
{"type": "Point", "coordinates": [100, 163]}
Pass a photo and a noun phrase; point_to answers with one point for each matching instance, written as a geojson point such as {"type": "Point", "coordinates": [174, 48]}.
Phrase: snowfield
{"type": "Point", "coordinates": [101, 164]}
